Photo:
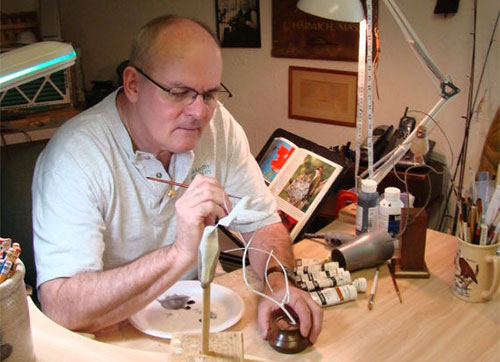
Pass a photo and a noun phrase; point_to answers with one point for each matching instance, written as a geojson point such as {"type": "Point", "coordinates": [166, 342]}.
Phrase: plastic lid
{"type": "Point", "coordinates": [360, 284]}
{"type": "Point", "coordinates": [392, 193]}
{"type": "Point", "coordinates": [368, 186]}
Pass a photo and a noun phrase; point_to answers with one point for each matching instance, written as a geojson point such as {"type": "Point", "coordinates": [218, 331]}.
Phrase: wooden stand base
{"type": "Point", "coordinates": [411, 261]}
{"type": "Point", "coordinates": [223, 346]}
{"type": "Point", "coordinates": [408, 273]}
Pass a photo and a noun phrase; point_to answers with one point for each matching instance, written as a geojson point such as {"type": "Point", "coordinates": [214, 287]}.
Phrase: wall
{"type": "Point", "coordinates": [104, 29]}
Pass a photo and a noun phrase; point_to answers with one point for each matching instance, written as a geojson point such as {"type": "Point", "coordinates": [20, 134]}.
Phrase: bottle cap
{"type": "Point", "coordinates": [360, 284]}
{"type": "Point", "coordinates": [392, 193]}
{"type": "Point", "coordinates": [368, 186]}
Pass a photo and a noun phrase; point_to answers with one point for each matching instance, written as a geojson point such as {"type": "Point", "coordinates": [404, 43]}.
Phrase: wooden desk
{"type": "Point", "coordinates": [37, 126]}
{"type": "Point", "coordinates": [430, 325]}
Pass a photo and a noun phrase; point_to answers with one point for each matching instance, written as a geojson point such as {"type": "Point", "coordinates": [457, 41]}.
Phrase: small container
{"type": "Point", "coordinates": [390, 211]}
{"type": "Point", "coordinates": [367, 207]}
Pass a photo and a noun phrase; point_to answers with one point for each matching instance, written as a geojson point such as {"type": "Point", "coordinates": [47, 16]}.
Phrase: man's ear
{"type": "Point", "coordinates": [131, 83]}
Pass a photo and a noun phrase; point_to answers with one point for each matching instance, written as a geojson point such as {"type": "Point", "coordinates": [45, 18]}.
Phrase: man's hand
{"type": "Point", "coordinates": [310, 314]}
{"type": "Point", "coordinates": [203, 202]}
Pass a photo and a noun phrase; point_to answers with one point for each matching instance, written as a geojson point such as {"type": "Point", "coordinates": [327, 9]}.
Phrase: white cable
{"type": "Point", "coordinates": [286, 297]}
{"type": "Point", "coordinates": [266, 268]}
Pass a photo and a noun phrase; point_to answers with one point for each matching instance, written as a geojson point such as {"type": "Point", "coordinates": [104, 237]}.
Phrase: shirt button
{"type": "Point", "coordinates": [159, 175]}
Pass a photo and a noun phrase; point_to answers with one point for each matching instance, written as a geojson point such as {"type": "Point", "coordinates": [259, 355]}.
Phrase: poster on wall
{"type": "Point", "coordinates": [238, 23]}
{"type": "Point", "coordinates": [297, 34]}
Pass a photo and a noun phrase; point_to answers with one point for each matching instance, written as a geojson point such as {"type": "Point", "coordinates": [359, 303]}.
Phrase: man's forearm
{"type": "Point", "coordinates": [94, 300]}
{"type": "Point", "coordinates": [273, 237]}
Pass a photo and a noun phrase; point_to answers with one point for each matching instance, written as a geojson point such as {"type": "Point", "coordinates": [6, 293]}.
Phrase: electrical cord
{"type": "Point", "coordinates": [405, 179]}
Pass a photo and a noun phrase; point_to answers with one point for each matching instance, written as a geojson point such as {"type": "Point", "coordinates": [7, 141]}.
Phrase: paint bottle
{"type": "Point", "coordinates": [333, 296]}
{"type": "Point", "coordinates": [367, 207]}
{"type": "Point", "coordinates": [390, 215]}
{"type": "Point", "coordinates": [390, 211]}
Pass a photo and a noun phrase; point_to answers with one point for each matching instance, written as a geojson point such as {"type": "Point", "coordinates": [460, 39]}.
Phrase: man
{"type": "Point", "coordinates": [107, 240]}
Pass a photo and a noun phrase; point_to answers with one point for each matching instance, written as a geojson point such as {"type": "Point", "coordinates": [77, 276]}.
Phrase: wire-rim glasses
{"type": "Point", "coordinates": [186, 95]}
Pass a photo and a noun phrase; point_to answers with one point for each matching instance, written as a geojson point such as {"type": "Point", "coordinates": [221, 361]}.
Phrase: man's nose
{"type": "Point", "coordinates": [198, 108]}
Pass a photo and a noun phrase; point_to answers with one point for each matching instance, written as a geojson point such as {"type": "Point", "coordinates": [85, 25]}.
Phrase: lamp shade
{"type": "Point", "coordinates": [340, 10]}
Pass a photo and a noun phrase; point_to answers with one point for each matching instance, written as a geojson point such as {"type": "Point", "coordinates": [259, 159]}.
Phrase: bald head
{"type": "Point", "coordinates": [169, 38]}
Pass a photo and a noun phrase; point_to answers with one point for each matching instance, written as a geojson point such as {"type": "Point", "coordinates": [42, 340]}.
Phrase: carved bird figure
{"type": "Point", "coordinates": [420, 145]}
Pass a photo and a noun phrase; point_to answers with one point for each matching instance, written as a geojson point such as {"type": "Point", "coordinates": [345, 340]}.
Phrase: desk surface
{"type": "Point", "coordinates": [37, 126]}
{"type": "Point", "coordinates": [430, 324]}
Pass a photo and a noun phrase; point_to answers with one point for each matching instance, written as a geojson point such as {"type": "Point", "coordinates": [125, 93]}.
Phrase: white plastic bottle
{"type": "Point", "coordinates": [390, 211]}
{"type": "Point", "coordinates": [367, 207]}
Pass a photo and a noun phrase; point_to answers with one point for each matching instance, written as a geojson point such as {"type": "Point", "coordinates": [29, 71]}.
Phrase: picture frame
{"type": "Point", "coordinates": [296, 34]}
{"type": "Point", "coordinates": [238, 23]}
{"type": "Point", "coordinates": [322, 95]}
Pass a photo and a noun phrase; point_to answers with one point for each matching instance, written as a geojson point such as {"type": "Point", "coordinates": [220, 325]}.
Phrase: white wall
{"type": "Point", "coordinates": [104, 29]}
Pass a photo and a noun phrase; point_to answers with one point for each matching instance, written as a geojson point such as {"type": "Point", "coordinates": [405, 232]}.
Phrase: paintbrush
{"type": "Point", "coordinates": [393, 277]}
{"type": "Point", "coordinates": [173, 183]}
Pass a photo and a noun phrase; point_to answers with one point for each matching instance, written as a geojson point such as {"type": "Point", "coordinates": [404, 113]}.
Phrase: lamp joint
{"type": "Point", "coordinates": [448, 90]}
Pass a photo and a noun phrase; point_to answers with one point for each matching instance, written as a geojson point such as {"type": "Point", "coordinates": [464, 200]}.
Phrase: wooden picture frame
{"type": "Point", "coordinates": [322, 95]}
{"type": "Point", "coordinates": [296, 34]}
{"type": "Point", "coordinates": [238, 23]}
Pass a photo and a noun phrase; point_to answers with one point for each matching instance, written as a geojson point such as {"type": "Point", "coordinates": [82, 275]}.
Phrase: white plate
{"type": "Point", "coordinates": [226, 309]}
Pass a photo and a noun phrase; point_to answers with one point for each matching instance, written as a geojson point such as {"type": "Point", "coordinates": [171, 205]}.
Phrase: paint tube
{"type": "Point", "coordinates": [316, 267]}
{"type": "Point", "coordinates": [332, 296]}
{"type": "Point", "coordinates": [300, 262]}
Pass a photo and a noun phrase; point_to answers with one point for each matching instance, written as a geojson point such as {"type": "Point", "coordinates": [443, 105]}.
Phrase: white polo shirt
{"type": "Point", "coordinates": [94, 209]}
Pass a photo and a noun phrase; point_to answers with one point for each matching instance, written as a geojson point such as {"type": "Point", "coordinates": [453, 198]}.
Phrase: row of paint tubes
{"type": "Point", "coordinates": [326, 282]}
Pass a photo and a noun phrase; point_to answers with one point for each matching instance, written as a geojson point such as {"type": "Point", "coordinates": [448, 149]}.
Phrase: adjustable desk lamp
{"type": "Point", "coordinates": [352, 11]}
{"type": "Point", "coordinates": [33, 61]}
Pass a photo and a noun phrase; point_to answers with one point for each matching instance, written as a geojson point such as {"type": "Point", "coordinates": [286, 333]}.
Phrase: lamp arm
{"type": "Point", "coordinates": [414, 41]}
{"type": "Point", "coordinates": [446, 87]}
{"type": "Point", "coordinates": [385, 164]}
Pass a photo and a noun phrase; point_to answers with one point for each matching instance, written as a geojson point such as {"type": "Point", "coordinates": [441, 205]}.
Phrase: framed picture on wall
{"type": "Point", "coordinates": [322, 95]}
{"type": "Point", "coordinates": [299, 35]}
{"type": "Point", "coordinates": [238, 23]}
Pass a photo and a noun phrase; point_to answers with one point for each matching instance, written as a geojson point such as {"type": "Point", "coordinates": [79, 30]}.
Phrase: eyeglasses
{"type": "Point", "coordinates": [186, 96]}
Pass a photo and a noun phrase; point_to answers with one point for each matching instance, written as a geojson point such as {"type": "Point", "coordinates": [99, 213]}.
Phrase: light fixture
{"type": "Point", "coordinates": [33, 61]}
{"type": "Point", "coordinates": [341, 10]}
{"type": "Point", "coordinates": [331, 9]}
